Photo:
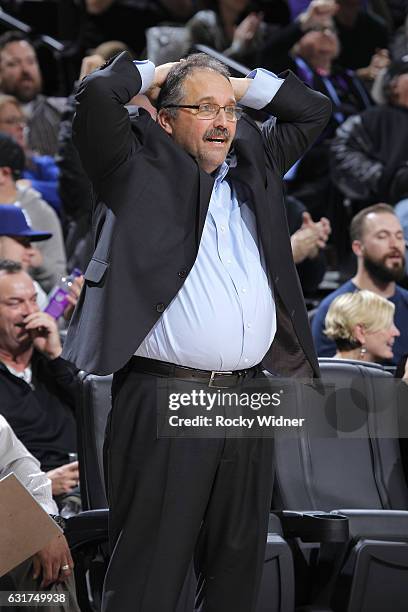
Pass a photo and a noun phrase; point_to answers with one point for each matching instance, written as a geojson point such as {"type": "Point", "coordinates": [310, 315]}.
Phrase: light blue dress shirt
{"type": "Point", "coordinates": [224, 317]}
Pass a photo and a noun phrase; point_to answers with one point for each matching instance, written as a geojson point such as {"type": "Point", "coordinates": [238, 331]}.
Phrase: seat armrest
{"type": "Point", "coordinates": [376, 524]}
{"type": "Point", "coordinates": [90, 526]}
{"type": "Point", "coordinates": [314, 526]}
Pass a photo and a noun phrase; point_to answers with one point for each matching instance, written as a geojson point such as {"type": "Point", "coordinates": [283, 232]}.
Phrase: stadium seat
{"type": "Point", "coordinates": [347, 461]}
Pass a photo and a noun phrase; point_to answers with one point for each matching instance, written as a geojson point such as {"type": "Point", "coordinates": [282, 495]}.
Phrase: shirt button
{"type": "Point", "coordinates": [160, 307]}
{"type": "Point", "coordinates": [246, 360]}
{"type": "Point", "coordinates": [249, 325]}
{"type": "Point", "coordinates": [228, 261]}
{"type": "Point", "coordinates": [222, 228]}
{"type": "Point", "coordinates": [243, 290]}
{"type": "Point", "coordinates": [182, 273]}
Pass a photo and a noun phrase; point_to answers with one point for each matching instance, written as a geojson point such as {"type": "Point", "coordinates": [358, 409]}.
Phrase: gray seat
{"type": "Point", "coordinates": [347, 460]}
{"type": "Point", "coordinates": [167, 43]}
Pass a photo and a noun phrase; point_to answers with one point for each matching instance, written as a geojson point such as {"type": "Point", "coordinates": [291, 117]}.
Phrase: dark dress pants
{"type": "Point", "coordinates": [173, 498]}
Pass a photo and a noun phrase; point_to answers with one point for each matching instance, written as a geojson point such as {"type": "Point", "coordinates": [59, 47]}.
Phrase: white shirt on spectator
{"type": "Point", "coordinates": [15, 458]}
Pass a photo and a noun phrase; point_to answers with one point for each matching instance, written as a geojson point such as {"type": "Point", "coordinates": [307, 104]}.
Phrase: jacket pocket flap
{"type": "Point", "coordinates": [95, 270]}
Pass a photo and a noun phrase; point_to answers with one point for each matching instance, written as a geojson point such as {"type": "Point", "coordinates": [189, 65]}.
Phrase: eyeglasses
{"type": "Point", "coordinates": [210, 111]}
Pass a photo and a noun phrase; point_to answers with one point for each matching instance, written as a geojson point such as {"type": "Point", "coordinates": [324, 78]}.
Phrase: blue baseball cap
{"type": "Point", "coordinates": [13, 222]}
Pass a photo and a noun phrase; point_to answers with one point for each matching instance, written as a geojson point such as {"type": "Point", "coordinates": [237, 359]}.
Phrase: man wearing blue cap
{"type": "Point", "coordinates": [16, 237]}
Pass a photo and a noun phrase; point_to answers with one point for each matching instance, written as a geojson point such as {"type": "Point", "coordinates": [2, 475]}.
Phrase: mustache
{"type": "Point", "coordinates": [217, 133]}
{"type": "Point", "coordinates": [395, 253]}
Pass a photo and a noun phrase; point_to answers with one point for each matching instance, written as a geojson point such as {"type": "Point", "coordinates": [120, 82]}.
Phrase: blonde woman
{"type": "Point", "coordinates": [362, 326]}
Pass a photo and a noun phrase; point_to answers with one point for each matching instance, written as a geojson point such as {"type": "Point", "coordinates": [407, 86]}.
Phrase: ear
{"type": "Point", "coordinates": [359, 333]}
{"type": "Point", "coordinates": [5, 174]}
{"type": "Point", "coordinates": [357, 248]}
{"type": "Point", "coordinates": [165, 121]}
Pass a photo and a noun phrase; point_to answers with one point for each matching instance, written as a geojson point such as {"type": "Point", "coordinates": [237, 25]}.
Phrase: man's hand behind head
{"type": "Point", "coordinates": [160, 76]}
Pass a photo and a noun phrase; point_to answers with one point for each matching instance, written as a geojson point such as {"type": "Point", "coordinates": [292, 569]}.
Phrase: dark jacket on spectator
{"type": "Point", "coordinates": [42, 413]}
{"type": "Point", "coordinates": [368, 151]}
{"type": "Point", "coordinates": [309, 182]}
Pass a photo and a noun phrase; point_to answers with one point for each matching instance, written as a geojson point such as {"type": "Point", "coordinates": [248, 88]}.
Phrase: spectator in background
{"type": "Point", "coordinates": [52, 565]}
{"type": "Point", "coordinates": [361, 35]}
{"type": "Point", "coordinates": [314, 61]}
{"type": "Point", "coordinates": [308, 239]}
{"type": "Point", "coordinates": [318, 15]}
{"type": "Point", "coordinates": [38, 388]}
{"type": "Point", "coordinates": [275, 53]}
{"type": "Point", "coordinates": [362, 326]}
{"type": "Point", "coordinates": [41, 171]}
{"type": "Point", "coordinates": [378, 242]}
{"type": "Point", "coordinates": [20, 76]}
{"type": "Point", "coordinates": [224, 30]}
{"type": "Point", "coordinates": [370, 148]}
{"type": "Point", "coordinates": [126, 20]}
{"type": "Point", "coordinates": [41, 216]}
{"type": "Point", "coordinates": [16, 239]}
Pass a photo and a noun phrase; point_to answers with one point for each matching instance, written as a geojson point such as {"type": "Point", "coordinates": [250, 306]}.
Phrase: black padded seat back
{"type": "Point", "coordinates": [342, 459]}
{"type": "Point", "coordinates": [92, 417]}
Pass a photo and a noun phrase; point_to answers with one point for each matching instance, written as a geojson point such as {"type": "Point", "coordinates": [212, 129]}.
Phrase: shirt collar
{"type": "Point", "coordinates": [25, 375]}
{"type": "Point", "coordinates": [221, 173]}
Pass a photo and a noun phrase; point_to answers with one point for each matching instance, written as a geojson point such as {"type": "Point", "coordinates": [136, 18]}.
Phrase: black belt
{"type": "Point", "coordinates": [214, 378]}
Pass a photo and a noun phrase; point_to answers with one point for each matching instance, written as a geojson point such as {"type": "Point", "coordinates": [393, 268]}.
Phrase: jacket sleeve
{"type": "Point", "coordinates": [64, 375]}
{"type": "Point", "coordinates": [355, 170]}
{"type": "Point", "coordinates": [301, 114]}
{"type": "Point", "coordinates": [101, 128]}
{"type": "Point", "coordinates": [75, 190]}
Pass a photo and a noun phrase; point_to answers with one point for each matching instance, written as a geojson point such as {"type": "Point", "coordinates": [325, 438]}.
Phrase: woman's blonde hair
{"type": "Point", "coordinates": [364, 308]}
{"type": "Point", "coordinates": [6, 99]}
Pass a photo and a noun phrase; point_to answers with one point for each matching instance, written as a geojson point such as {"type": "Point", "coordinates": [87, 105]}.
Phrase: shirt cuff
{"type": "Point", "coordinates": [265, 85]}
{"type": "Point", "coordinates": [146, 70]}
